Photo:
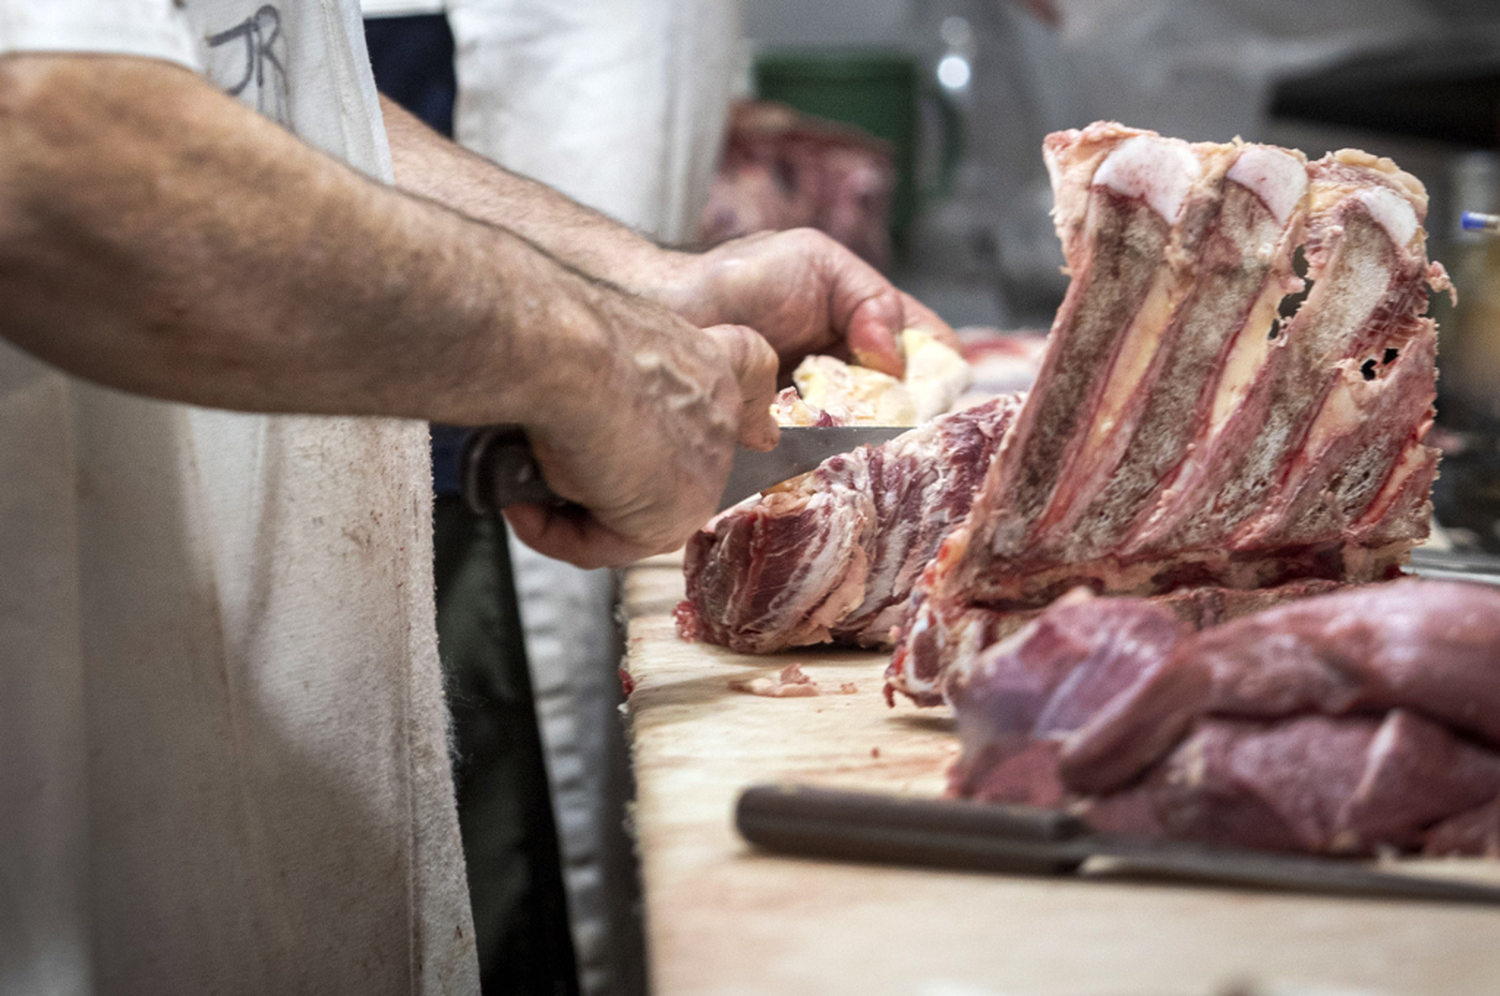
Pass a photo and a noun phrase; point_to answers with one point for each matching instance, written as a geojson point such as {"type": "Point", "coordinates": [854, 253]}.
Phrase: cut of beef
{"type": "Point", "coordinates": [783, 169]}
{"type": "Point", "coordinates": [1085, 691]}
{"type": "Point", "coordinates": [1184, 441]}
{"type": "Point", "coordinates": [1425, 645]}
{"type": "Point", "coordinates": [832, 555]}
{"type": "Point", "coordinates": [1362, 719]}
{"type": "Point", "coordinates": [1314, 783]}
{"type": "Point", "coordinates": [1474, 832]}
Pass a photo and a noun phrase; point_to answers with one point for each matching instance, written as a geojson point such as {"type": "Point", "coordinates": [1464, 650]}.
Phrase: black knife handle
{"type": "Point", "coordinates": [941, 833]}
{"type": "Point", "coordinates": [859, 826]}
{"type": "Point", "coordinates": [498, 469]}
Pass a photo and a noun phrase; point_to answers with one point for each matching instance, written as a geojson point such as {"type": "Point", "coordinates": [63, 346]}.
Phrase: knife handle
{"type": "Point", "coordinates": [858, 826]}
{"type": "Point", "coordinates": [498, 469]}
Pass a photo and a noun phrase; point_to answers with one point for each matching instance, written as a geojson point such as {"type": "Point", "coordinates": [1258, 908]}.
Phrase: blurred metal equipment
{"type": "Point", "coordinates": [1467, 494]}
{"type": "Point", "coordinates": [1471, 337]}
{"type": "Point", "coordinates": [984, 251]}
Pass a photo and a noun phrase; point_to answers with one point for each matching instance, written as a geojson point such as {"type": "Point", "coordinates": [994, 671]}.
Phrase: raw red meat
{"type": "Point", "coordinates": [1183, 441]}
{"type": "Point", "coordinates": [1344, 723]}
{"type": "Point", "coordinates": [832, 555]}
{"type": "Point", "coordinates": [1314, 783]}
{"type": "Point", "coordinates": [1430, 646]}
{"type": "Point", "coordinates": [1474, 832]}
{"type": "Point", "coordinates": [784, 169]}
{"type": "Point", "coordinates": [1083, 693]}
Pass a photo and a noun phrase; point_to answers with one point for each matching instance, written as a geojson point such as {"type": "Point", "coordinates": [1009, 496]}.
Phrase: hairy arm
{"type": "Point", "coordinates": [157, 236]}
{"type": "Point", "coordinates": [431, 166]}
{"type": "Point", "coordinates": [801, 290]}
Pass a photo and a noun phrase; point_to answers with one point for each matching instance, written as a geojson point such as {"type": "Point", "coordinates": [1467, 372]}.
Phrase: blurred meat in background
{"type": "Point", "coordinates": [785, 169]}
{"type": "Point", "coordinates": [1002, 362]}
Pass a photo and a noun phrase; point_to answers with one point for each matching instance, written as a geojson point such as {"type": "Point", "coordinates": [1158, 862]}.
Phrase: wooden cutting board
{"type": "Point", "coordinates": [724, 919]}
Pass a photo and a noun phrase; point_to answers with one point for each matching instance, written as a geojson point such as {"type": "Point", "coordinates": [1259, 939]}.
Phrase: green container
{"type": "Point", "coordinates": [872, 89]}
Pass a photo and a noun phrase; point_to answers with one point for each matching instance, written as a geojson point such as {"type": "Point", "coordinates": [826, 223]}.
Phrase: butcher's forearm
{"type": "Point", "coordinates": [800, 290]}
{"type": "Point", "coordinates": [158, 237]}
{"type": "Point", "coordinates": [428, 164]}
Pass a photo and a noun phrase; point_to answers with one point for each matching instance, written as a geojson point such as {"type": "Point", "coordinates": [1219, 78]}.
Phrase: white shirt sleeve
{"type": "Point", "coordinates": [401, 8]}
{"type": "Point", "coordinates": [155, 28]}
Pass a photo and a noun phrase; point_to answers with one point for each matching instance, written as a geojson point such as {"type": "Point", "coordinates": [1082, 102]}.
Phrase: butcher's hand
{"type": "Point", "coordinates": [641, 432]}
{"type": "Point", "coordinates": [804, 292]}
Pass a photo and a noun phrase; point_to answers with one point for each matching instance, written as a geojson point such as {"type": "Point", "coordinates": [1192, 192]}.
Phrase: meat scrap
{"type": "Point", "coordinates": [1184, 441]}
{"type": "Point", "coordinates": [1346, 723]}
{"type": "Point", "coordinates": [790, 683]}
{"type": "Point", "coordinates": [832, 556]}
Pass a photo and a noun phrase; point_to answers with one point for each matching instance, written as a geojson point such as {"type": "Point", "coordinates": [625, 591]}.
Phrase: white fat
{"type": "Point", "coordinates": [1342, 410]}
{"type": "Point", "coordinates": [935, 374]}
{"type": "Point", "coordinates": [1247, 358]}
{"type": "Point", "coordinates": [1158, 170]}
{"type": "Point", "coordinates": [1394, 212]}
{"type": "Point", "coordinates": [1276, 177]}
{"type": "Point", "coordinates": [867, 396]}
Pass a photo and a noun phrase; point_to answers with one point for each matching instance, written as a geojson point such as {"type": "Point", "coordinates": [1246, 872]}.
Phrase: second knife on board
{"type": "Point", "coordinates": [946, 833]}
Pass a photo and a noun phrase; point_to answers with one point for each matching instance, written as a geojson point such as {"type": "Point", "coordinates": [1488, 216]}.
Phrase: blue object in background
{"type": "Point", "coordinates": [1473, 221]}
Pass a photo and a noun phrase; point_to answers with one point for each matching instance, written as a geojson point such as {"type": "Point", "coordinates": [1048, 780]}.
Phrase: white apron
{"type": "Point", "coordinates": [223, 762]}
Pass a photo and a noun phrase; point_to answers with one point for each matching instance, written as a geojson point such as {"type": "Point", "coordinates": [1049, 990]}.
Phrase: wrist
{"type": "Point", "coordinates": [674, 279]}
{"type": "Point", "coordinates": [532, 341]}
{"type": "Point", "coordinates": [565, 356]}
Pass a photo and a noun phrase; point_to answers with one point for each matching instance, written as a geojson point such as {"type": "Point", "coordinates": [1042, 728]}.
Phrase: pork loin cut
{"type": "Point", "coordinates": [1344, 723]}
{"type": "Point", "coordinates": [832, 556]}
{"type": "Point", "coordinates": [1185, 440]}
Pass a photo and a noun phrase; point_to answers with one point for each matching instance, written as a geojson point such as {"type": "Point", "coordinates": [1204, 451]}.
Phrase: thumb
{"type": "Point", "coordinates": [754, 363]}
{"type": "Point", "coordinates": [872, 332]}
{"type": "Point", "coordinates": [876, 326]}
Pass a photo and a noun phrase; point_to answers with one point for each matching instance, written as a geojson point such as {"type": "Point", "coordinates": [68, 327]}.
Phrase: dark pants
{"type": "Point", "coordinates": [504, 806]}
{"type": "Point", "coordinates": [413, 62]}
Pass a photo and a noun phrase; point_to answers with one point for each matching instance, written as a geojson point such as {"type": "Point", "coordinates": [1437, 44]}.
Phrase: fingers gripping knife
{"type": "Point", "coordinates": [498, 468]}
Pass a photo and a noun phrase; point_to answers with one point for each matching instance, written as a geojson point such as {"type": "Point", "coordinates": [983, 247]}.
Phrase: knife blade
{"type": "Point", "coordinates": [861, 826]}
{"type": "Point", "coordinates": [801, 449]}
{"type": "Point", "coordinates": [1450, 565]}
{"type": "Point", "coordinates": [498, 468]}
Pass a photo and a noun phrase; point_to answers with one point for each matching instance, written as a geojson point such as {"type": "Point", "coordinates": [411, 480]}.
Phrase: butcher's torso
{"type": "Point", "coordinates": [222, 753]}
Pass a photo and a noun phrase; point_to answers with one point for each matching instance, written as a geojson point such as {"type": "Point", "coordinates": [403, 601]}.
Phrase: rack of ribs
{"type": "Point", "coordinates": [1197, 435]}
